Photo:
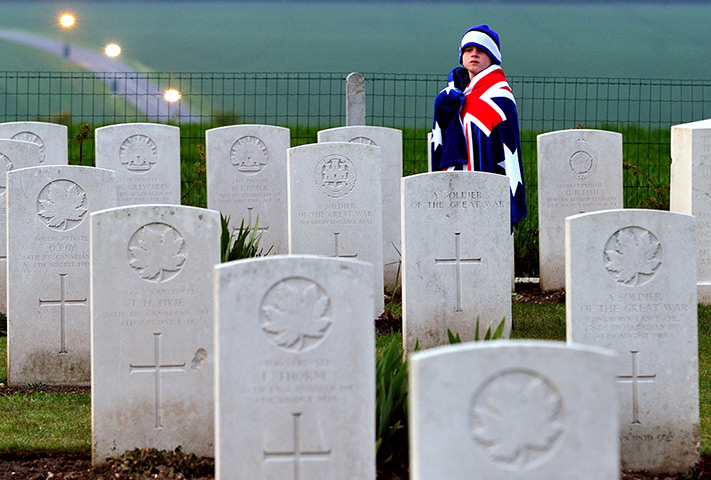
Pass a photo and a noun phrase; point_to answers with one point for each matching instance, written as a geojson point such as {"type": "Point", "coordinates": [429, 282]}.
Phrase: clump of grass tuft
{"type": "Point", "coordinates": [245, 244]}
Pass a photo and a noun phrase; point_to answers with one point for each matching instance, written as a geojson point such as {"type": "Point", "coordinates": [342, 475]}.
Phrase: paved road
{"type": "Point", "coordinates": [125, 82]}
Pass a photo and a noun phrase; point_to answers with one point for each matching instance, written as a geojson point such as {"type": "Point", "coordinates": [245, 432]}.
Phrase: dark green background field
{"type": "Point", "coordinates": [637, 40]}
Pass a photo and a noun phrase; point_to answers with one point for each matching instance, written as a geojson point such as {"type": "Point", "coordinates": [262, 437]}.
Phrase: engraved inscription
{"type": "Point", "coordinates": [363, 140]}
{"type": "Point", "coordinates": [5, 166]}
{"type": "Point", "coordinates": [296, 314]}
{"type": "Point", "coordinates": [157, 368]}
{"type": "Point", "coordinates": [335, 175]}
{"type": "Point", "coordinates": [470, 199]}
{"type": "Point", "coordinates": [249, 154]}
{"type": "Point", "coordinates": [298, 379]}
{"type": "Point", "coordinates": [518, 418]}
{"type": "Point", "coordinates": [633, 256]}
{"type": "Point", "coordinates": [635, 315]}
{"type": "Point", "coordinates": [32, 138]}
{"type": "Point", "coordinates": [138, 153]}
{"type": "Point", "coordinates": [157, 252]}
{"type": "Point", "coordinates": [297, 455]}
{"type": "Point", "coordinates": [580, 160]}
{"type": "Point", "coordinates": [62, 205]}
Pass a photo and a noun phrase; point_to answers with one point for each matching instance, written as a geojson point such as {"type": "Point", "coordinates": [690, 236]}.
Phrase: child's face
{"type": "Point", "coordinates": [475, 59]}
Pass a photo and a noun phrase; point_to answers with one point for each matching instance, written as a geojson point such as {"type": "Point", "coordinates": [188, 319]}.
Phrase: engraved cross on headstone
{"type": "Point", "coordinates": [337, 243]}
{"type": "Point", "coordinates": [297, 455]}
{"type": "Point", "coordinates": [251, 223]}
{"type": "Point", "coordinates": [457, 261]}
{"type": "Point", "coordinates": [157, 368]}
{"type": "Point", "coordinates": [635, 379]}
{"type": "Point", "coordinates": [62, 302]}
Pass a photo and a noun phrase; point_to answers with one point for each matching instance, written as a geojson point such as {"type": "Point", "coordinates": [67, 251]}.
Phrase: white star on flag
{"type": "Point", "coordinates": [510, 165]}
{"type": "Point", "coordinates": [436, 136]}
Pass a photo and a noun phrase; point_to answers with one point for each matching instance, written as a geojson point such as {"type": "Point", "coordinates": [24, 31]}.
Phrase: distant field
{"type": "Point", "coordinates": [627, 41]}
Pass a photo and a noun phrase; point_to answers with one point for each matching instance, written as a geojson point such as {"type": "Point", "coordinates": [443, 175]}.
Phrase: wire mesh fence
{"type": "Point", "coordinates": [643, 110]}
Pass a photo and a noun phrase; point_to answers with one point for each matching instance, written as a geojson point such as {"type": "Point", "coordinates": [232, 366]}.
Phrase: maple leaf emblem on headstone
{"type": "Point", "coordinates": [517, 418]}
{"type": "Point", "coordinates": [62, 204]}
{"type": "Point", "coordinates": [635, 253]}
{"type": "Point", "coordinates": [297, 311]}
{"type": "Point", "coordinates": [158, 249]}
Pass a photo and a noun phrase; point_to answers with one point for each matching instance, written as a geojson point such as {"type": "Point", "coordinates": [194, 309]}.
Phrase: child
{"type": "Point", "coordinates": [475, 119]}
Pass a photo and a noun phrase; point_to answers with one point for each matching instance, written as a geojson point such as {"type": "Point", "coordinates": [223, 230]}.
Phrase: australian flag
{"type": "Point", "coordinates": [476, 128]}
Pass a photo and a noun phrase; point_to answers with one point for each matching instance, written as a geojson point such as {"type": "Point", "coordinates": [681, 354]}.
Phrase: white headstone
{"type": "Point", "coordinates": [690, 190]}
{"type": "Point", "coordinates": [579, 171]}
{"type": "Point", "coordinates": [14, 154]}
{"type": "Point", "coordinates": [48, 264]}
{"type": "Point", "coordinates": [146, 158]}
{"type": "Point", "coordinates": [152, 329]}
{"type": "Point", "coordinates": [246, 179]}
{"type": "Point", "coordinates": [295, 389]}
{"type": "Point", "coordinates": [390, 142]}
{"type": "Point", "coordinates": [631, 287]}
{"type": "Point", "coordinates": [513, 410]}
{"type": "Point", "coordinates": [457, 256]}
{"type": "Point", "coordinates": [335, 206]}
{"type": "Point", "coordinates": [50, 137]}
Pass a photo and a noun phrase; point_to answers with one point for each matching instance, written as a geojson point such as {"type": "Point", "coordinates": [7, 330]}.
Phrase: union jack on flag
{"type": "Point", "coordinates": [475, 127]}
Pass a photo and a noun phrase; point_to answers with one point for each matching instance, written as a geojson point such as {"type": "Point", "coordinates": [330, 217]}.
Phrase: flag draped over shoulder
{"type": "Point", "coordinates": [476, 128]}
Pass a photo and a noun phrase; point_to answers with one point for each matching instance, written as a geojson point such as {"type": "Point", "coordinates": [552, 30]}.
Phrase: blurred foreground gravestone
{"type": "Point", "coordinates": [295, 369]}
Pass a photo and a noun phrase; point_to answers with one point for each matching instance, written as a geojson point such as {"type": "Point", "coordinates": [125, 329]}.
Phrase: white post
{"type": "Point", "coordinates": [355, 99]}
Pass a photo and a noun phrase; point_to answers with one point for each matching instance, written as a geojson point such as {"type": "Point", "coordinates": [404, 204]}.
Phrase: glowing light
{"type": "Point", "coordinates": [112, 50]}
{"type": "Point", "coordinates": [171, 95]}
{"type": "Point", "coordinates": [66, 20]}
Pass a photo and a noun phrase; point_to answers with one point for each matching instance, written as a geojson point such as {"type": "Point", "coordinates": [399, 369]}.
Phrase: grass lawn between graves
{"type": "Point", "coordinates": [39, 421]}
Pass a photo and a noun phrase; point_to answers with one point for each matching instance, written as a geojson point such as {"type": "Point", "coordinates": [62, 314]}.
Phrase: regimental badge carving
{"type": "Point", "coordinates": [518, 418]}
{"type": "Point", "coordinates": [32, 138]}
{"type": "Point", "coordinates": [138, 153]}
{"type": "Point", "coordinates": [62, 205]}
{"type": "Point", "coordinates": [249, 154]}
{"type": "Point", "coordinates": [363, 140]}
{"type": "Point", "coordinates": [633, 256]}
{"type": "Point", "coordinates": [157, 252]}
{"type": "Point", "coordinates": [335, 176]}
{"type": "Point", "coordinates": [296, 314]}
{"type": "Point", "coordinates": [580, 159]}
{"type": "Point", "coordinates": [5, 166]}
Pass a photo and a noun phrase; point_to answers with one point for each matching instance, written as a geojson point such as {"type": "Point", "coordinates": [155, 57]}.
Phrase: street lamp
{"type": "Point", "coordinates": [66, 20]}
{"type": "Point", "coordinates": [112, 50]}
{"type": "Point", "coordinates": [171, 95]}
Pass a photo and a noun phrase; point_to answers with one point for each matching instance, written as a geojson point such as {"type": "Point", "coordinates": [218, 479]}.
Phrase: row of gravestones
{"type": "Point", "coordinates": [303, 330]}
{"type": "Point", "coordinates": [247, 179]}
{"type": "Point", "coordinates": [642, 319]}
{"type": "Point", "coordinates": [578, 171]}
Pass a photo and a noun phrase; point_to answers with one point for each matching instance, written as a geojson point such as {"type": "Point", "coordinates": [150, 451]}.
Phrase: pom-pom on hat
{"type": "Point", "coordinates": [485, 38]}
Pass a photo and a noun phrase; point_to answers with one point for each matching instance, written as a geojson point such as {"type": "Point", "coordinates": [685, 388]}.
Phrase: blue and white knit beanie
{"type": "Point", "coordinates": [485, 38]}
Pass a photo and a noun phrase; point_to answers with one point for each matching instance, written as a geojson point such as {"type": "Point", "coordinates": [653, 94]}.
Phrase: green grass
{"type": "Point", "coordinates": [45, 424]}
{"type": "Point", "coordinates": [3, 360]}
